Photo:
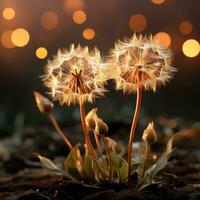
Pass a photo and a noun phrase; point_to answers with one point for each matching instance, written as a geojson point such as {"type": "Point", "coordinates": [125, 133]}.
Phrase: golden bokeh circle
{"type": "Point", "coordinates": [8, 13]}
{"type": "Point", "coordinates": [191, 48]}
{"type": "Point", "coordinates": [186, 27]}
{"type": "Point", "coordinates": [164, 38]}
{"type": "Point", "coordinates": [20, 37]}
{"type": "Point", "coordinates": [41, 53]}
{"type": "Point", "coordinates": [138, 23]}
{"type": "Point", "coordinates": [158, 2]}
{"type": "Point", "coordinates": [88, 33]}
{"type": "Point", "coordinates": [6, 39]}
{"type": "Point", "coordinates": [79, 16]}
{"type": "Point", "coordinates": [49, 20]}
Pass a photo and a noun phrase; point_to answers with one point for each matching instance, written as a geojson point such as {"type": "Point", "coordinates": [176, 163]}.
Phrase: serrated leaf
{"type": "Point", "coordinates": [72, 163]}
{"type": "Point", "coordinates": [47, 163]}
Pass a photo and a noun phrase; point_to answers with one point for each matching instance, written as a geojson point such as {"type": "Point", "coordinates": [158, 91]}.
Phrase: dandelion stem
{"type": "Point", "coordinates": [85, 131]}
{"type": "Point", "coordinates": [59, 131]}
{"type": "Point", "coordinates": [133, 127]}
{"type": "Point", "coordinates": [108, 156]}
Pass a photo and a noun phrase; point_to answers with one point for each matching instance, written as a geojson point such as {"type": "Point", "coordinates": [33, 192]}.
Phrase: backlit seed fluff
{"type": "Point", "coordinates": [149, 134]}
{"type": "Point", "coordinates": [140, 60]}
{"type": "Point", "coordinates": [75, 75]}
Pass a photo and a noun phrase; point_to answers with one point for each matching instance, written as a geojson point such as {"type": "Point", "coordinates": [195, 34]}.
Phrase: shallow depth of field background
{"type": "Point", "coordinates": [32, 31]}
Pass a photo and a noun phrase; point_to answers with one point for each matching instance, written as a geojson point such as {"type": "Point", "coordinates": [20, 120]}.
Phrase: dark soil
{"type": "Point", "coordinates": [23, 178]}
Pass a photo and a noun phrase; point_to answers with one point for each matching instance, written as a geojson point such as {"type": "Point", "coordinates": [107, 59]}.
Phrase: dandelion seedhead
{"type": "Point", "coordinates": [140, 60]}
{"type": "Point", "coordinates": [74, 75]}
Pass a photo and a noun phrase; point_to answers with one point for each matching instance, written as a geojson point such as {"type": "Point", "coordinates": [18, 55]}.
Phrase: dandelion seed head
{"type": "Point", "coordinates": [75, 74]}
{"type": "Point", "coordinates": [140, 60]}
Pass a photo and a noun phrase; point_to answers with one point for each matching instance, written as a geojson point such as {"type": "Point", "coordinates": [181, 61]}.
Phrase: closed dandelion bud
{"type": "Point", "coordinates": [101, 127]}
{"type": "Point", "coordinates": [44, 105]}
{"type": "Point", "coordinates": [91, 119]}
{"type": "Point", "coordinates": [149, 134]}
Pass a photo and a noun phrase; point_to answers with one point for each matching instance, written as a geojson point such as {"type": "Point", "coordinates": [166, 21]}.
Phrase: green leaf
{"type": "Point", "coordinates": [120, 165]}
{"type": "Point", "coordinates": [73, 161]}
{"type": "Point", "coordinates": [161, 162]}
{"type": "Point", "coordinates": [47, 163]}
{"type": "Point", "coordinates": [97, 171]}
{"type": "Point", "coordinates": [88, 169]}
{"type": "Point", "coordinates": [116, 161]}
{"type": "Point", "coordinates": [134, 168]}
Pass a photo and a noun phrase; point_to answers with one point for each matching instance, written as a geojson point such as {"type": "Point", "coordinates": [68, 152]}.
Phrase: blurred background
{"type": "Point", "coordinates": [32, 31]}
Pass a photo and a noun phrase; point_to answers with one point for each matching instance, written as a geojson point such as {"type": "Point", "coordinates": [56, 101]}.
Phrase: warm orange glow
{"type": "Point", "coordinates": [158, 2]}
{"type": "Point", "coordinates": [186, 27]}
{"type": "Point", "coordinates": [72, 5]}
{"type": "Point", "coordinates": [79, 17]}
{"type": "Point", "coordinates": [6, 40]}
{"type": "Point", "coordinates": [20, 37]}
{"type": "Point", "coordinates": [49, 20]}
{"type": "Point", "coordinates": [138, 23]}
{"type": "Point", "coordinates": [191, 48]}
{"type": "Point", "coordinates": [89, 33]}
{"type": "Point", "coordinates": [41, 52]}
{"type": "Point", "coordinates": [8, 13]}
{"type": "Point", "coordinates": [164, 38]}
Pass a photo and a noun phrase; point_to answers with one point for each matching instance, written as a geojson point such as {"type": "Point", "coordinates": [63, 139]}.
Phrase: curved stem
{"type": "Point", "coordinates": [133, 127]}
{"type": "Point", "coordinates": [85, 131]}
{"type": "Point", "coordinates": [108, 156]}
{"type": "Point", "coordinates": [97, 142]}
{"type": "Point", "coordinates": [59, 131]}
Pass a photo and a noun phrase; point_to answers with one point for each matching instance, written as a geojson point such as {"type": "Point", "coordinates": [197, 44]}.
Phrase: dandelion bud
{"type": "Point", "coordinates": [149, 134]}
{"type": "Point", "coordinates": [101, 127]}
{"type": "Point", "coordinates": [44, 105]}
{"type": "Point", "coordinates": [91, 119]}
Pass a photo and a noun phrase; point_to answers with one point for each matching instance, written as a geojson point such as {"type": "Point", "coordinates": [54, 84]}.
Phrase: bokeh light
{"type": "Point", "coordinates": [88, 33]}
{"type": "Point", "coordinates": [72, 5]}
{"type": "Point", "coordinates": [79, 17]}
{"type": "Point", "coordinates": [186, 27]}
{"type": "Point", "coordinates": [164, 38]}
{"type": "Point", "coordinates": [41, 53]}
{"type": "Point", "coordinates": [20, 37]}
{"type": "Point", "coordinates": [8, 13]}
{"type": "Point", "coordinates": [6, 39]}
{"type": "Point", "coordinates": [49, 20]}
{"type": "Point", "coordinates": [138, 23]}
{"type": "Point", "coordinates": [191, 48]}
{"type": "Point", "coordinates": [158, 2]}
